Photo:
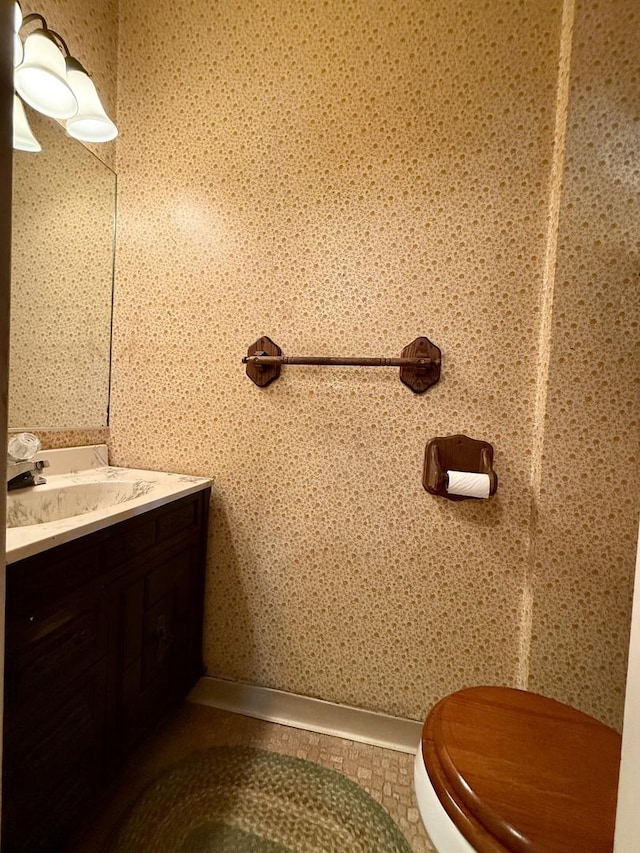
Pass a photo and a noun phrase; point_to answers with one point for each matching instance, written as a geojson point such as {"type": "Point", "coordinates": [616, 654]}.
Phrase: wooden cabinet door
{"type": "Point", "coordinates": [162, 625]}
{"type": "Point", "coordinates": [52, 767]}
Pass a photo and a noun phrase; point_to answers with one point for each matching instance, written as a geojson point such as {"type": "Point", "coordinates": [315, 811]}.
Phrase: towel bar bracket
{"type": "Point", "coordinates": [419, 363]}
{"type": "Point", "coordinates": [419, 378]}
{"type": "Point", "coordinates": [263, 374]}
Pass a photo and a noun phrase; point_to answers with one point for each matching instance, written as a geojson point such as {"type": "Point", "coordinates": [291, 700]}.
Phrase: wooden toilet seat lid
{"type": "Point", "coordinates": [519, 772]}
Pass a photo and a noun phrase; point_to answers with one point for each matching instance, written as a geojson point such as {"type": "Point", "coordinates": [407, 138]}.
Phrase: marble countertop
{"type": "Point", "coordinates": [131, 491]}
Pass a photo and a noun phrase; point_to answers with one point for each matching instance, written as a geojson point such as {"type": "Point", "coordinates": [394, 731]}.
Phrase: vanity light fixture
{"type": "Point", "coordinates": [23, 138]}
{"type": "Point", "coordinates": [52, 81]}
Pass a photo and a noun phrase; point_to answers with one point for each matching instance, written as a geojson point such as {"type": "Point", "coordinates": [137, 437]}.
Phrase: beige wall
{"type": "Point", "coordinates": [61, 282]}
{"type": "Point", "coordinates": [344, 177]}
{"type": "Point", "coordinates": [588, 502]}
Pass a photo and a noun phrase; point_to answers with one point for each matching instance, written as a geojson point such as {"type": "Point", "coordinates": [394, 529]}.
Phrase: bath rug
{"type": "Point", "coordinates": [239, 799]}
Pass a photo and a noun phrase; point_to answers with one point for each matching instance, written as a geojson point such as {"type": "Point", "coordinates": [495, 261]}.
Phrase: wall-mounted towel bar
{"type": "Point", "coordinates": [419, 363]}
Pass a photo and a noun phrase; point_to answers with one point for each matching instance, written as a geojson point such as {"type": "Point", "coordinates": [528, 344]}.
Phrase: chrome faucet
{"type": "Point", "coordinates": [21, 474]}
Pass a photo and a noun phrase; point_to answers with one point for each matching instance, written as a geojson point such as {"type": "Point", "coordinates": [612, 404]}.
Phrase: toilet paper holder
{"type": "Point", "coordinates": [456, 453]}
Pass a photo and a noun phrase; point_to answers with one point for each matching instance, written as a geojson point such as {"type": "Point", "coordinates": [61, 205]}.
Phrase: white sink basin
{"type": "Point", "coordinates": [42, 504]}
{"type": "Point", "coordinates": [84, 494]}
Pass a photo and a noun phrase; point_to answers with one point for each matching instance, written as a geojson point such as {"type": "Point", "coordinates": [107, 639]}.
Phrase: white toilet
{"type": "Point", "coordinates": [507, 771]}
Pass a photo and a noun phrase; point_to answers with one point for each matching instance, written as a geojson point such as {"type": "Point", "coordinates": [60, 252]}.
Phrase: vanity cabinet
{"type": "Point", "coordinates": [103, 635]}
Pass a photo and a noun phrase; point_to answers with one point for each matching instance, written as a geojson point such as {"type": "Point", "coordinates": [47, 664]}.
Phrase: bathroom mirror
{"type": "Point", "coordinates": [62, 251]}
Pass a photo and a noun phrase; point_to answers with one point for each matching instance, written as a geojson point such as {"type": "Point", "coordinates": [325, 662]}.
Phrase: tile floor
{"type": "Point", "coordinates": [386, 775]}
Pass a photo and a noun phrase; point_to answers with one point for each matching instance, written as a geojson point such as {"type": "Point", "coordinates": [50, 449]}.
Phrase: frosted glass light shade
{"type": "Point", "coordinates": [23, 138]}
{"type": "Point", "coordinates": [41, 79]}
{"type": "Point", "coordinates": [18, 50]}
{"type": "Point", "coordinates": [90, 123]}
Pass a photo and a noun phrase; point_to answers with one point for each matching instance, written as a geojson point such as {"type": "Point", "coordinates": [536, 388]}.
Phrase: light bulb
{"type": "Point", "coordinates": [41, 78]}
{"type": "Point", "coordinates": [23, 138]}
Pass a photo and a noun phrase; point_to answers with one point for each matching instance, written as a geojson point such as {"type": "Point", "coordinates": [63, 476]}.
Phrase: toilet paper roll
{"type": "Point", "coordinates": [468, 484]}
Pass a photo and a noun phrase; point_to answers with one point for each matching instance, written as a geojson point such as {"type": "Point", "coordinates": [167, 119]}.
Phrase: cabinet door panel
{"type": "Point", "coordinates": [170, 578]}
{"type": "Point", "coordinates": [53, 760]}
{"type": "Point", "coordinates": [46, 650]}
{"type": "Point", "coordinates": [131, 621]}
{"type": "Point", "coordinates": [160, 626]}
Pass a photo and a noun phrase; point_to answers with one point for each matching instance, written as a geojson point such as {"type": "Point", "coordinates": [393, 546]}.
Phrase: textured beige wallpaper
{"type": "Point", "coordinates": [61, 283]}
{"type": "Point", "coordinates": [342, 177]}
{"type": "Point", "coordinates": [589, 500]}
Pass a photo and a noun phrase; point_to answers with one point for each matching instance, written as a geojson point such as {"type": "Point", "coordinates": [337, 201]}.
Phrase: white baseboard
{"type": "Point", "coordinates": [303, 712]}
